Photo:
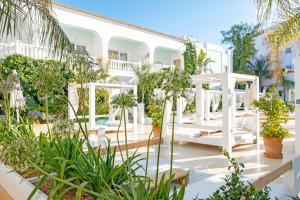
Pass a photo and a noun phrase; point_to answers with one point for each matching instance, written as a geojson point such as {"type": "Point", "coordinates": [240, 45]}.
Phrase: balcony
{"type": "Point", "coordinates": [30, 50]}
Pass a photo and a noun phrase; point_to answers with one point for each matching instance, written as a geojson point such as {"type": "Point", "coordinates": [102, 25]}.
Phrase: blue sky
{"type": "Point", "coordinates": [203, 19]}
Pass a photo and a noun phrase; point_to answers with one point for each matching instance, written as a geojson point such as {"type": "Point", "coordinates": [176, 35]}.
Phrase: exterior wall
{"type": "Point", "coordinates": [86, 38]}
{"type": "Point", "coordinates": [99, 35]}
{"type": "Point", "coordinates": [152, 40]}
{"type": "Point", "coordinates": [287, 55]}
{"type": "Point", "coordinates": [222, 57]}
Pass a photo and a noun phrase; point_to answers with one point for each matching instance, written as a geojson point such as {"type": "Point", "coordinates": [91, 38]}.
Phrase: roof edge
{"type": "Point", "coordinates": [119, 22]}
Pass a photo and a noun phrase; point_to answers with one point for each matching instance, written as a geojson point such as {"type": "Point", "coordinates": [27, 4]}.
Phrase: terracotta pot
{"type": "Point", "coordinates": [273, 147]}
{"type": "Point", "coordinates": [156, 131]}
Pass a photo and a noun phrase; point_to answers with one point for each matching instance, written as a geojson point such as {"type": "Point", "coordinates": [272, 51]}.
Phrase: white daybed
{"type": "Point", "coordinates": [229, 128]}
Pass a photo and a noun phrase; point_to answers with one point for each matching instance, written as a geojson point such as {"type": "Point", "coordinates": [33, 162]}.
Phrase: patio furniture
{"type": "Point", "coordinates": [225, 129]}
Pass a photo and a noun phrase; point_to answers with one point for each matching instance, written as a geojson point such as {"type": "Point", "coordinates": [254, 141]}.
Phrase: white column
{"type": "Point", "coordinates": [226, 108]}
{"type": "Point", "coordinates": [92, 106]}
{"type": "Point", "coordinates": [233, 108]}
{"type": "Point", "coordinates": [179, 110]}
{"type": "Point", "coordinates": [199, 104]}
{"type": "Point", "coordinates": [207, 106]}
{"type": "Point", "coordinates": [105, 48]}
{"type": "Point", "coordinates": [141, 113]}
{"type": "Point", "coordinates": [296, 62]}
{"type": "Point", "coordinates": [166, 119]}
{"type": "Point", "coordinates": [135, 113]}
{"type": "Point", "coordinates": [256, 114]}
{"type": "Point", "coordinates": [151, 54]}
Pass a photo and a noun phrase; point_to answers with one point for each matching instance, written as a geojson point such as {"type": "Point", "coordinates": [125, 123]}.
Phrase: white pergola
{"type": "Point", "coordinates": [92, 100]}
{"type": "Point", "coordinates": [227, 81]}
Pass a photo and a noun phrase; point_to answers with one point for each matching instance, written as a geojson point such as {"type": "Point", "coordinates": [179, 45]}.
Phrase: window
{"type": "Point", "coordinates": [288, 50]}
{"type": "Point", "coordinates": [123, 56]}
{"type": "Point", "coordinates": [114, 55]}
{"type": "Point", "coordinates": [176, 63]}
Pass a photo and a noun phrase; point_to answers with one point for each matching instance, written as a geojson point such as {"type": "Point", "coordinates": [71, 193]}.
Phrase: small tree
{"type": "Point", "coordinates": [48, 82]}
{"type": "Point", "coordinates": [175, 84]}
{"type": "Point", "coordinates": [190, 57]}
{"type": "Point", "coordinates": [260, 67]}
{"type": "Point", "coordinates": [124, 101]}
{"type": "Point", "coordinates": [240, 38]}
{"type": "Point", "coordinates": [203, 61]}
{"type": "Point", "coordinates": [147, 81]}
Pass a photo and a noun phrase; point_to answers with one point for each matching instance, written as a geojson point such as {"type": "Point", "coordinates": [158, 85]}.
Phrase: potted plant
{"type": "Point", "coordinates": [276, 112]}
{"type": "Point", "coordinates": [155, 111]}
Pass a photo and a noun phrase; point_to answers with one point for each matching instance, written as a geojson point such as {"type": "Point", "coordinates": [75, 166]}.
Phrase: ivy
{"type": "Point", "coordinates": [190, 57]}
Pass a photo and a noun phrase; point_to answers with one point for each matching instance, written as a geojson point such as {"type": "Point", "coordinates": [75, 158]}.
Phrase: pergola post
{"type": "Point", "coordinates": [227, 112]}
{"type": "Point", "coordinates": [256, 114]}
{"type": "Point", "coordinates": [233, 107]}
{"type": "Point", "coordinates": [199, 104]}
{"type": "Point", "coordinates": [135, 113]}
{"type": "Point", "coordinates": [92, 106]}
{"type": "Point", "coordinates": [207, 106]}
{"type": "Point", "coordinates": [297, 97]}
{"type": "Point", "coordinates": [166, 119]}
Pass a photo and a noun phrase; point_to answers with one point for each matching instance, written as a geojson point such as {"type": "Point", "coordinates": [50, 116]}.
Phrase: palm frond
{"type": "Point", "coordinates": [14, 14]}
{"type": "Point", "coordinates": [284, 33]}
{"type": "Point", "coordinates": [268, 9]}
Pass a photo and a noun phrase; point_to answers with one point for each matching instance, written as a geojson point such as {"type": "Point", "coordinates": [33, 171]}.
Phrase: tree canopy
{"type": "Point", "coordinates": [240, 38]}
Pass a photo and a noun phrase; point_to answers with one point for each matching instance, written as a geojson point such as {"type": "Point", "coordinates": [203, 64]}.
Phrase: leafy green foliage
{"type": "Point", "coordinates": [155, 111]}
{"type": "Point", "coordinates": [139, 190]}
{"type": "Point", "coordinates": [203, 62]}
{"type": "Point", "coordinates": [190, 57]}
{"type": "Point", "coordinates": [260, 67]}
{"type": "Point", "coordinates": [240, 38]}
{"type": "Point", "coordinates": [147, 81]}
{"type": "Point", "coordinates": [102, 101]}
{"type": "Point", "coordinates": [19, 147]}
{"type": "Point", "coordinates": [27, 68]}
{"type": "Point", "coordinates": [124, 100]}
{"type": "Point", "coordinates": [277, 113]}
{"type": "Point", "coordinates": [235, 188]}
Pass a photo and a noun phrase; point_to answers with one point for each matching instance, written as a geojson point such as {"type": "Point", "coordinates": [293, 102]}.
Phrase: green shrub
{"type": "Point", "coordinates": [235, 188]}
{"type": "Point", "coordinates": [26, 68]}
{"type": "Point", "coordinates": [155, 111]}
{"type": "Point", "coordinates": [276, 112]}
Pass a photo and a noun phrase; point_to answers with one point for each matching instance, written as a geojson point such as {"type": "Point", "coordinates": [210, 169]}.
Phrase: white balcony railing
{"type": "Point", "coordinates": [17, 47]}
{"type": "Point", "coordinates": [158, 67]}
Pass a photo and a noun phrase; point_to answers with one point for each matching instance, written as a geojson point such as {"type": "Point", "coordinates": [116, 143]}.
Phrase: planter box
{"type": "Point", "coordinates": [16, 186]}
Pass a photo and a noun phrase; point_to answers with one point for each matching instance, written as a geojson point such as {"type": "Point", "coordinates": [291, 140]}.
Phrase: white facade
{"type": "Point", "coordinates": [122, 43]}
{"type": "Point", "coordinates": [287, 55]}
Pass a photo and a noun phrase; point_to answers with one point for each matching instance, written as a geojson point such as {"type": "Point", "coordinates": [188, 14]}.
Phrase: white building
{"type": "Point", "coordinates": [287, 54]}
{"type": "Point", "coordinates": [122, 43]}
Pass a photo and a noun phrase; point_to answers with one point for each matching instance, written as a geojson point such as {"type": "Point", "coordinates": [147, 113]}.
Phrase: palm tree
{"type": "Point", "coordinates": [260, 67]}
{"type": "Point", "coordinates": [13, 14]}
{"type": "Point", "coordinates": [288, 30]}
{"type": "Point", "coordinates": [203, 61]}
